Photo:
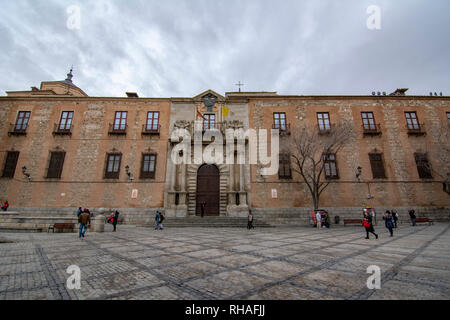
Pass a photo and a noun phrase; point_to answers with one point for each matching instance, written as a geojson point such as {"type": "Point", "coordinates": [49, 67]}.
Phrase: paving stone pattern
{"type": "Point", "coordinates": [229, 263]}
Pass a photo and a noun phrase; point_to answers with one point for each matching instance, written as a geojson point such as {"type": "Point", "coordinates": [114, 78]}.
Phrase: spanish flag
{"type": "Point", "coordinates": [225, 111]}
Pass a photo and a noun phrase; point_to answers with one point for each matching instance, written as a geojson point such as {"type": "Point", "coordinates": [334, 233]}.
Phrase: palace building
{"type": "Point", "coordinates": [62, 149]}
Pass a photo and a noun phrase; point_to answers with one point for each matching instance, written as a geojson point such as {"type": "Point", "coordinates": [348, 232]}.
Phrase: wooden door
{"type": "Point", "coordinates": [208, 190]}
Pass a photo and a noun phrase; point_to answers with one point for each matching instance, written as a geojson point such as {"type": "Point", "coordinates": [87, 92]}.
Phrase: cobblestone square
{"type": "Point", "coordinates": [227, 263]}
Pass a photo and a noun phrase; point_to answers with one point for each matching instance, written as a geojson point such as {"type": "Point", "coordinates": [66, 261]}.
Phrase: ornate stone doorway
{"type": "Point", "coordinates": [208, 190]}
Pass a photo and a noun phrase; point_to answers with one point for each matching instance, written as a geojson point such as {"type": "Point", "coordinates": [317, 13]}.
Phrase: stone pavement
{"type": "Point", "coordinates": [228, 263]}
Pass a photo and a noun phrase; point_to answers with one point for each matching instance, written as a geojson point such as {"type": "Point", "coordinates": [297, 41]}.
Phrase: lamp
{"type": "Point", "coordinates": [24, 171]}
{"type": "Point", "coordinates": [358, 173]}
{"type": "Point", "coordinates": [127, 170]}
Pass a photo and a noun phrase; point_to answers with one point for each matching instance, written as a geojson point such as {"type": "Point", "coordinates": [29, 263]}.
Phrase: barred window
{"type": "Point", "coordinates": [376, 162]}
{"type": "Point", "coordinates": [423, 166]}
{"type": "Point", "coordinates": [148, 166]}
{"type": "Point", "coordinates": [10, 164]}
{"type": "Point", "coordinates": [284, 168]}
{"type": "Point", "coordinates": [55, 166]}
{"type": "Point", "coordinates": [112, 170]}
{"type": "Point", "coordinates": [330, 166]}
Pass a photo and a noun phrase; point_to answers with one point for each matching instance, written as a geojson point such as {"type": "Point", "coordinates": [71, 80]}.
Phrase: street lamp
{"type": "Point", "coordinates": [358, 174]}
{"type": "Point", "coordinates": [25, 173]}
{"type": "Point", "coordinates": [127, 170]}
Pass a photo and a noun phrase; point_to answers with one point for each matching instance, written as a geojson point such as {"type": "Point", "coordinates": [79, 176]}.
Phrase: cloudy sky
{"type": "Point", "coordinates": [177, 48]}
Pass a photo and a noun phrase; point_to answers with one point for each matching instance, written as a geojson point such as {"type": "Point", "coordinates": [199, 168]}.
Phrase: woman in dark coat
{"type": "Point", "coordinates": [367, 223]}
{"type": "Point", "coordinates": [389, 222]}
{"type": "Point", "coordinates": [114, 223]}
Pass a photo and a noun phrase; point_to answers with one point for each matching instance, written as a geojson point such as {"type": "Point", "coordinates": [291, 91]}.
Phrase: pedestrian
{"type": "Point", "coordinates": [79, 211]}
{"type": "Point", "coordinates": [413, 217]}
{"type": "Point", "coordinates": [250, 220]}
{"type": "Point", "coordinates": [319, 219]}
{"type": "Point", "coordinates": [327, 220]}
{"type": "Point", "coordinates": [84, 220]}
{"type": "Point", "coordinates": [5, 206]}
{"type": "Point", "coordinates": [367, 223]}
{"type": "Point", "coordinates": [203, 208]}
{"type": "Point", "coordinates": [114, 222]}
{"type": "Point", "coordinates": [389, 222]}
{"type": "Point", "coordinates": [161, 219]}
{"type": "Point", "coordinates": [395, 217]}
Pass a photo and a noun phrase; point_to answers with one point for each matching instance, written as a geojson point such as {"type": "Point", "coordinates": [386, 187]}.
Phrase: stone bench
{"type": "Point", "coordinates": [61, 226]}
{"type": "Point", "coordinates": [352, 221]}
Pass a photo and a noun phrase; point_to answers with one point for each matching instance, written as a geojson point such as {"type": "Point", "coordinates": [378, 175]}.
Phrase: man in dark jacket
{"type": "Point", "coordinates": [84, 219]}
{"type": "Point", "coordinates": [114, 223]}
{"type": "Point", "coordinates": [389, 222]}
{"type": "Point", "coordinates": [413, 217]}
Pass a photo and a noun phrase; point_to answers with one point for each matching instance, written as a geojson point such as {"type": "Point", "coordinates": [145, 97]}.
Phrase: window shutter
{"type": "Point", "coordinates": [423, 166]}
{"type": "Point", "coordinates": [376, 162]}
{"type": "Point", "coordinates": [56, 165]}
{"type": "Point", "coordinates": [10, 164]}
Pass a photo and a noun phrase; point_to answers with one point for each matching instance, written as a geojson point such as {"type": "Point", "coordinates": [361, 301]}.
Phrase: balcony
{"type": "Point", "coordinates": [151, 130]}
{"type": "Point", "coordinates": [57, 130]}
{"type": "Point", "coordinates": [371, 129]}
{"type": "Point", "coordinates": [324, 129]}
{"type": "Point", "coordinates": [16, 130]}
{"type": "Point", "coordinates": [416, 129]}
{"type": "Point", "coordinates": [203, 127]}
{"type": "Point", "coordinates": [285, 130]}
{"type": "Point", "coordinates": [117, 129]}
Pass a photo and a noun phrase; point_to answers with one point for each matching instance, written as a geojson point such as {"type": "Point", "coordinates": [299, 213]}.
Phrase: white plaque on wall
{"type": "Point", "coordinates": [274, 194]}
{"type": "Point", "coordinates": [134, 194]}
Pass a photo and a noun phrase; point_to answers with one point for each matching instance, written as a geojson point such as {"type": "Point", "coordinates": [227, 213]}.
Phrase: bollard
{"type": "Point", "coordinates": [99, 223]}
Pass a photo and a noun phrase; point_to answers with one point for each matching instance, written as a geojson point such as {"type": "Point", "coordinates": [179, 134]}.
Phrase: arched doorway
{"type": "Point", "coordinates": [208, 190]}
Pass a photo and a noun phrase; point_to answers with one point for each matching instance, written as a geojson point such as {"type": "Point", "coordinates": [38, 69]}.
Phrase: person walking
{"type": "Point", "coordinates": [161, 219]}
{"type": "Point", "coordinates": [395, 217]}
{"type": "Point", "coordinates": [157, 218]}
{"type": "Point", "coordinates": [250, 220]}
{"type": "Point", "coordinates": [5, 206]}
{"type": "Point", "coordinates": [203, 208]}
{"type": "Point", "coordinates": [389, 222]}
{"type": "Point", "coordinates": [413, 217]}
{"type": "Point", "coordinates": [367, 223]}
{"type": "Point", "coordinates": [84, 219]}
{"type": "Point", "coordinates": [79, 211]}
{"type": "Point", "coordinates": [115, 219]}
{"type": "Point", "coordinates": [319, 220]}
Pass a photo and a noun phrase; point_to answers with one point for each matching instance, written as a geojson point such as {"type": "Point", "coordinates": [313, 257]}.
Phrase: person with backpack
{"type": "Point", "coordinates": [389, 222]}
{"type": "Point", "coordinates": [367, 223]}
{"type": "Point", "coordinates": [79, 211]}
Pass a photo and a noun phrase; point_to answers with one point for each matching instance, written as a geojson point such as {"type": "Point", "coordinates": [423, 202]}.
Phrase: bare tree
{"type": "Point", "coordinates": [440, 154]}
{"type": "Point", "coordinates": [310, 149]}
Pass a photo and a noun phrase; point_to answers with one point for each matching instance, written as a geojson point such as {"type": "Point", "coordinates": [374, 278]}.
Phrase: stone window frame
{"type": "Point", "coordinates": [66, 127]}
{"type": "Point", "coordinates": [322, 121]}
{"type": "Point", "coordinates": [22, 126]}
{"type": "Point", "coordinates": [280, 125]}
{"type": "Point", "coordinates": [10, 164]}
{"type": "Point", "coordinates": [112, 174]}
{"type": "Point", "coordinates": [148, 174]}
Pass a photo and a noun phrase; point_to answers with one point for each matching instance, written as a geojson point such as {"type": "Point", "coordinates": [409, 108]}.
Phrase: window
{"type": "Point", "coordinates": [412, 121]}
{"type": "Point", "coordinates": [323, 119]}
{"type": "Point", "coordinates": [152, 121]}
{"type": "Point", "coordinates": [148, 167]}
{"type": "Point", "coordinates": [448, 117]}
{"type": "Point", "coordinates": [423, 166]}
{"type": "Point", "coordinates": [22, 121]}
{"type": "Point", "coordinates": [209, 122]}
{"type": "Point", "coordinates": [10, 164]}
{"type": "Point", "coordinates": [120, 121]}
{"type": "Point", "coordinates": [330, 166]}
{"type": "Point", "coordinates": [376, 162]}
{"type": "Point", "coordinates": [113, 166]}
{"type": "Point", "coordinates": [284, 169]}
{"type": "Point", "coordinates": [55, 166]}
{"type": "Point", "coordinates": [66, 120]}
{"type": "Point", "coordinates": [279, 120]}
{"type": "Point", "coordinates": [368, 121]}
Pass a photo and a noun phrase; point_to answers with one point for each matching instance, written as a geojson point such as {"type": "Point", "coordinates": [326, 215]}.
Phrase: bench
{"type": "Point", "coordinates": [352, 221]}
{"type": "Point", "coordinates": [60, 226]}
{"type": "Point", "coordinates": [430, 222]}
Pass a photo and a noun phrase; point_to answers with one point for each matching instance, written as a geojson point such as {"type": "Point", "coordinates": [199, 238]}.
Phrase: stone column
{"type": "Point", "coordinates": [98, 223]}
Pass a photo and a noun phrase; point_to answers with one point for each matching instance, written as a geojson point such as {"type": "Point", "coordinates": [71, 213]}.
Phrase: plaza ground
{"type": "Point", "coordinates": [228, 263]}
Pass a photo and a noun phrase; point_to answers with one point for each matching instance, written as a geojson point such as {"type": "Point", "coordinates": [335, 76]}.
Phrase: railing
{"type": "Point", "coordinates": [151, 129]}
{"type": "Point", "coordinates": [285, 129]}
{"type": "Point", "coordinates": [324, 129]}
{"type": "Point", "coordinates": [371, 128]}
{"type": "Point", "coordinates": [14, 129]}
{"type": "Point", "coordinates": [201, 126]}
{"type": "Point", "coordinates": [117, 129]}
{"type": "Point", "coordinates": [61, 131]}
{"type": "Point", "coordinates": [416, 129]}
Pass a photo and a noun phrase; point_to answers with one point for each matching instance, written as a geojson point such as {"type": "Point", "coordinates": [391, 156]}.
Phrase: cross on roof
{"type": "Point", "coordinates": [239, 85]}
